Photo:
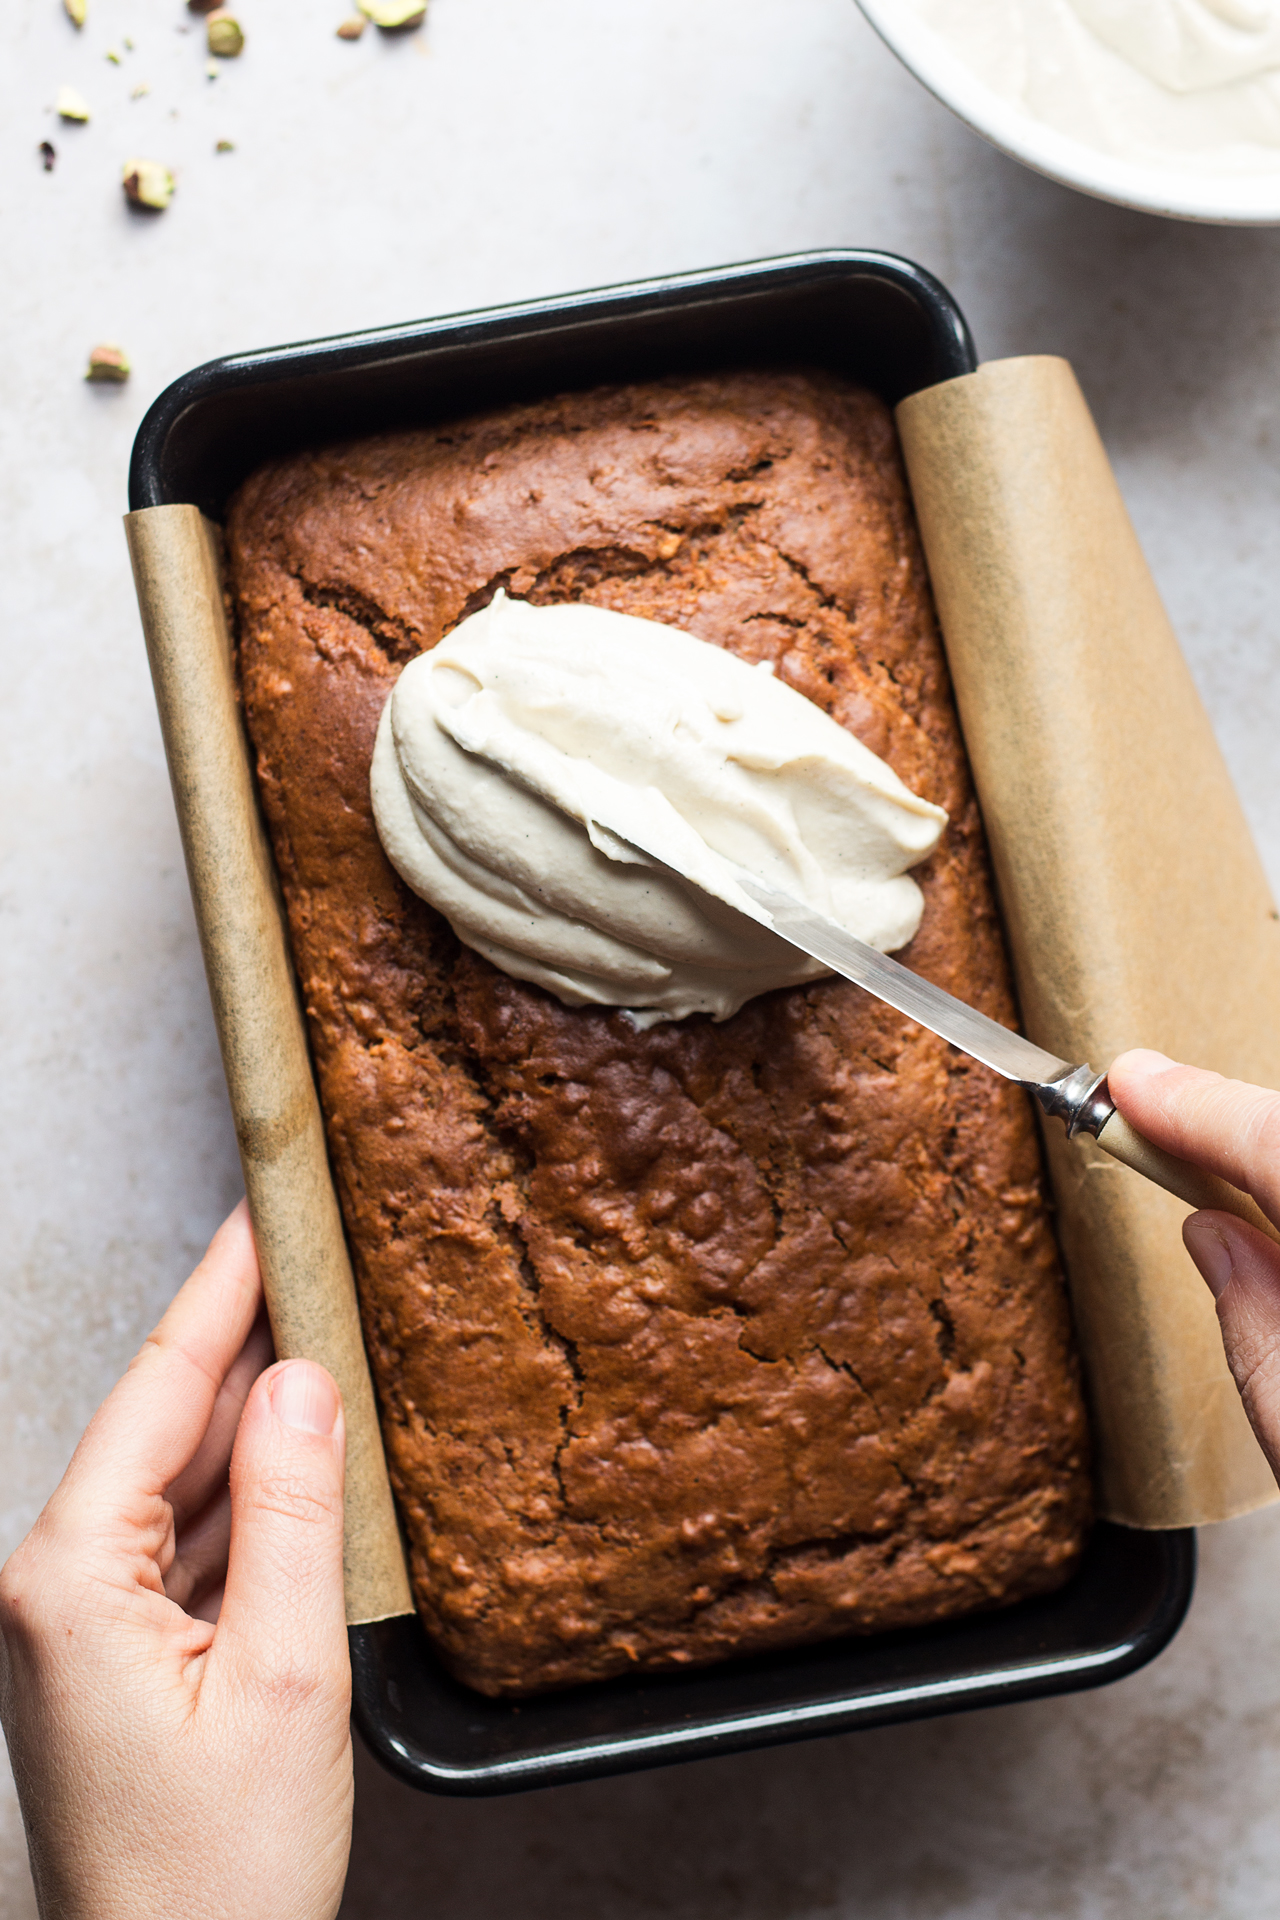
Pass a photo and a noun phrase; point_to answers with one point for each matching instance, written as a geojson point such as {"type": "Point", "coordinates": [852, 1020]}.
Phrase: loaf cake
{"type": "Point", "coordinates": [702, 1340]}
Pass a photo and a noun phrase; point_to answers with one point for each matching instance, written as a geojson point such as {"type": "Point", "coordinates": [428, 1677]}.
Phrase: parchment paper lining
{"type": "Point", "coordinates": [1134, 901]}
{"type": "Point", "coordinates": [305, 1268]}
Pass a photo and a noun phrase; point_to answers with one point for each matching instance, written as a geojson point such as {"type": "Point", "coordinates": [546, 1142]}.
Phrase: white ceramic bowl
{"type": "Point", "coordinates": [1237, 199]}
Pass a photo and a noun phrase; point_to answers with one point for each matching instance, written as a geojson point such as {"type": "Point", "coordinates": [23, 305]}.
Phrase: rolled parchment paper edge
{"type": "Point", "coordinates": [306, 1269]}
{"type": "Point", "coordinates": [1135, 905]}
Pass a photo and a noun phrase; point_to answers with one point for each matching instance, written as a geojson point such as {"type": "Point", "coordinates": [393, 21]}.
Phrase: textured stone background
{"type": "Point", "coordinates": [507, 151]}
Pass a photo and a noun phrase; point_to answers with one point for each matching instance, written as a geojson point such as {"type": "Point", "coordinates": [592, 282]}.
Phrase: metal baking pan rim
{"type": "Point", "coordinates": [151, 484]}
{"type": "Point", "coordinates": [988, 1685]}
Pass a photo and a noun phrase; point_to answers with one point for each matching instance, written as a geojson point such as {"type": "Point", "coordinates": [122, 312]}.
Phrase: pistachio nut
{"type": "Point", "coordinates": [392, 14]}
{"type": "Point", "coordinates": [107, 364]}
{"type": "Point", "coordinates": [148, 184]}
{"type": "Point", "coordinates": [225, 34]}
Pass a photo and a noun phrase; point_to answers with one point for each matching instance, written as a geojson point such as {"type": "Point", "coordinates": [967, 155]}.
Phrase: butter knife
{"type": "Point", "coordinates": [1076, 1095]}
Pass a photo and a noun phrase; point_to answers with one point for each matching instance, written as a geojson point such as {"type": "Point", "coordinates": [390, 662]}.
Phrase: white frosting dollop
{"type": "Point", "coordinates": [522, 764]}
{"type": "Point", "coordinates": [1157, 81]}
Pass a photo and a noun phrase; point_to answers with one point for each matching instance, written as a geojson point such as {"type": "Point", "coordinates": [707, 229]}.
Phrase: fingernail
{"type": "Point", "coordinates": [305, 1397]}
{"type": "Point", "coordinates": [1145, 1064]}
{"type": "Point", "coordinates": [1210, 1252]}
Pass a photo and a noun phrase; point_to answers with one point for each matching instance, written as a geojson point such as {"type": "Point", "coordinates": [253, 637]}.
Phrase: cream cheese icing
{"type": "Point", "coordinates": [566, 785]}
{"type": "Point", "coordinates": [1162, 81]}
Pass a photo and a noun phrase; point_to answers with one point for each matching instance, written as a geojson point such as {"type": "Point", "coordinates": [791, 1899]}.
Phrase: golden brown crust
{"type": "Point", "coordinates": [712, 1338]}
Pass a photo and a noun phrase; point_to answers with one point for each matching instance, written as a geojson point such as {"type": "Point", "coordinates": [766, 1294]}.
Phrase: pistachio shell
{"type": "Point", "coordinates": [352, 29]}
{"type": "Point", "coordinates": [70, 105]}
{"type": "Point", "coordinates": [77, 11]}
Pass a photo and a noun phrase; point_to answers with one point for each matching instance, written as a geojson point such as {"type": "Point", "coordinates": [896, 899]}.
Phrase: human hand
{"type": "Point", "coordinates": [1231, 1129]}
{"type": "Point", "coordinates": [174, 1681]}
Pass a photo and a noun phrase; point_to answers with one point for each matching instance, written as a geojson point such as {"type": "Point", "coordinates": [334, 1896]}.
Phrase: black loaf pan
{"type": "Point", "coordinates": [888, 324]}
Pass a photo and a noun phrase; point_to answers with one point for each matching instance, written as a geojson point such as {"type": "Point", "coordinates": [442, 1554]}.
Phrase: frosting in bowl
{"type": "Point", "coordinates": [1185, 82]}
{"type": "Point", "coordinates": [1189, 45]}
{"type": "Point", "coordinates": [522, 765]}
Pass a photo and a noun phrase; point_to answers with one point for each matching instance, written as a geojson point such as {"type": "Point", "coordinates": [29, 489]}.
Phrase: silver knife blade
{"type": "Point", "coordinates": [1077, 1096]}
{"type": "Point", "coordinates": [984, 1039]}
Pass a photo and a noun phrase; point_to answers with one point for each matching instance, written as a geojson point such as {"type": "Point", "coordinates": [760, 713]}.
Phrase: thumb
{"type": "Point", "coordinates": [1242, 1268]}
{"type": "Point", "coordinates": [282, 1627]}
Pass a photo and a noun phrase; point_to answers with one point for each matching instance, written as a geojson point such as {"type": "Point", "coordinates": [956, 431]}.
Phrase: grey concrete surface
{"type": "Point", "coordinates": [507, 151]}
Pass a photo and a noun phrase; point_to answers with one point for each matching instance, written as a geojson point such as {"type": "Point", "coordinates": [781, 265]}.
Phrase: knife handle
{"type": "Point", "coordinates": [1189, 1183]}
